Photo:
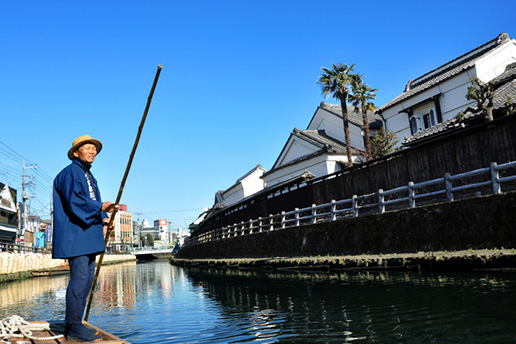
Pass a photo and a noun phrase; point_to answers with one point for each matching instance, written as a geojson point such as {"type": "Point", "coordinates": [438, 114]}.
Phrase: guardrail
{"type": "Point", "coordinates": [136, 250]}
{"type": "Point", "coordinates": [447, 188]}
{"type": "Point", "coordinates": [20, 248]}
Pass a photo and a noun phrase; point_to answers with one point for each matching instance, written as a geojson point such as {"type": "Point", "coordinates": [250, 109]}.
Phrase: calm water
{"type": "Point", "coordinates": [159, 303]}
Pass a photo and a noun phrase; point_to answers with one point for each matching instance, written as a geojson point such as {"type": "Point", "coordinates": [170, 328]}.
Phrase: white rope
{"type": "Point", "coordinates": [16, 327]}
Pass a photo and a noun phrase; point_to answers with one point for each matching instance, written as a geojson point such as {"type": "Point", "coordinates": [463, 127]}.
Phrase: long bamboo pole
{"type": "Point", "coordinates": [122, 184]}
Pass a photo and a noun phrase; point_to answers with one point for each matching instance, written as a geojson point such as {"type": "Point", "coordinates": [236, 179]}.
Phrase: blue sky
{"type": "Point", "coordinates": [237, 77]}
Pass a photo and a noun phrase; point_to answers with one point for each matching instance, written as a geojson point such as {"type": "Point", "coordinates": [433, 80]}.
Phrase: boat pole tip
{"type": "Point", "coordinates": [160, 66]}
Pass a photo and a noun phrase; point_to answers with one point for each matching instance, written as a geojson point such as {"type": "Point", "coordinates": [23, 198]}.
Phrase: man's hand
{"type": "Point", "coordinates": [107, 226]}
{"type": "Point", "coordinates": [110, 207]}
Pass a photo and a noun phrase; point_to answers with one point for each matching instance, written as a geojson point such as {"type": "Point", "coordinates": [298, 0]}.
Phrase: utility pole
{"type": "Point", "coordinates": [139, 228]}
{"type": "Point", "coordinates": [25, 197]}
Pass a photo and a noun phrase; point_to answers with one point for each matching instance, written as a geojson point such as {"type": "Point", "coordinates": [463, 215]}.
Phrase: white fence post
{"type": "Point", "coordinates": [259, 224]}
{"type": "Point", "coordinates": [380, 201]}
{"type": "Point", "coordinates": [271, 223]}
{"type": "Point", "coordinates": [296, 214]}
{"type": "Point", "coordinates": [282, 219]}
{"type": "Point", "coordinates": [449, 186]}
{"type": "Point", "coordinates": [332, 210]}
{"type": "Point", "coordinates": [354, 205]}
{"type": "Point", "coordinates": [314, 214]}
{"type": "Point", "coordinates": [495, 176]}
{"type": "Point", "coordinates": [411, 199]}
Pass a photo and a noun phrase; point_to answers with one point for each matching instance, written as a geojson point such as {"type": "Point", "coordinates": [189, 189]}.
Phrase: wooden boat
{"type": "Point", "coordinates": [61, 270]}
{"type": "Point", "coordinates": [57, 329]}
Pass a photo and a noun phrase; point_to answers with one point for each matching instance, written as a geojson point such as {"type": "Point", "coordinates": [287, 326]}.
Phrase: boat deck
{"type": "Point", "coordinates": [56, 329]}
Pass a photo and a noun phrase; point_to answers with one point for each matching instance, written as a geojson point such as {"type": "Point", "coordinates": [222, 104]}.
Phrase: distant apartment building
{"type": "Point", "coordinates": [122, 235]}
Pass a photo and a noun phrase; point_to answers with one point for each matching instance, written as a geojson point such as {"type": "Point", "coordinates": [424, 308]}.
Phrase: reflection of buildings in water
{"type": "Point", "coordinates": [119, 284]}
{"type": "Point", "coordinates": [116, 287]}
{"type": "Point", "coordinates": [15, 292]}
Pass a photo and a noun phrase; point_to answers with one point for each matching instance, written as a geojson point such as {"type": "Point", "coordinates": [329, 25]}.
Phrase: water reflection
{"type": "Point", "coordinates": [158, 303]}
{"type": "Point", "coordinates": [367, 307]}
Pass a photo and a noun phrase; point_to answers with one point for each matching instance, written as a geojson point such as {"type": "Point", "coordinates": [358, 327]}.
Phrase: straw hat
{"type": "Point", "coordinates": [82, 140]}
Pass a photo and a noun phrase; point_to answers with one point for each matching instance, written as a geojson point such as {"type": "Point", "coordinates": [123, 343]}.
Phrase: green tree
{"type": "Point", "coordinates": [336, 82]}
{"type": "Point", "coordinates": [361, 100]}
{"type": "Point", "coordinates": [483, 94]}
{"type": "Point", "coordinates": [149, 241]}
{"type": "Point", "coordinates": [384, 142]}
{"type": "Point", "coordinates": [509, 108]}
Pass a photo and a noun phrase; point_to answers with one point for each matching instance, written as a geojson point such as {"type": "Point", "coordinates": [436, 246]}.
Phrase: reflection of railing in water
{"type": "Point", "coordinates": [342, 307]}
{"type": "Point", "coordinates": [446, 188]}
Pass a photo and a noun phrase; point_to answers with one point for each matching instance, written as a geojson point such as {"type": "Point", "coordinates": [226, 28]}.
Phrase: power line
{"type": "Point", "coordinates": [37, 179]}
{"type": "Point", "coordinates": [170, 211]}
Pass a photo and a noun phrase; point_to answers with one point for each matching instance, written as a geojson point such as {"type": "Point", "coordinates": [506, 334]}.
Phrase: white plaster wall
{"type": "Point", "coordinates": [334, 127]}
{"type": "Point", "coordinates": [246, 187]}
{"type": "Point", "coordinates": [253, 183]}
{"type": "Point", "coordinates": [329, 122]}
{"type": "Point", "coordinates": [295, 148]}
{"type": "Point", "coordinates": [492, 65]}
{"type": "Point", "coordinates": [233, 195]}
{"type": "Point", "coordinates": [318, 166]}
{"type": "Point", "coordinates": [355, 137]}
{"type": "Point", "coordinates": [454, 90]}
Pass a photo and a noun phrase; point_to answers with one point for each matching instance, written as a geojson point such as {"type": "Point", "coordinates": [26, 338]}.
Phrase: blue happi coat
{"type": "Point", "coordinates": [78, 227]}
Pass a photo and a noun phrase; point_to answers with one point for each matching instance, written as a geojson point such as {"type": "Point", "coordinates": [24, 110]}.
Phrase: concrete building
{"type": "Point", "coordinates": [121, 238]}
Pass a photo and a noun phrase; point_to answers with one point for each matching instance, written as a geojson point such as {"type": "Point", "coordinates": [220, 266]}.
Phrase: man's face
{"type": "Point", "coordinates": [86, 153]}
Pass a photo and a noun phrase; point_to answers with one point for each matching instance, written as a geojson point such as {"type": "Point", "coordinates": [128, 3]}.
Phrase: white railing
{"type": "Point", "coordinates": [401, 197]}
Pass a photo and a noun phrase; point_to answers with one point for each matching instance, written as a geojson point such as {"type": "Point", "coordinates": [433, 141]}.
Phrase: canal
{"type": "Point", "coordinates": [155, 302]}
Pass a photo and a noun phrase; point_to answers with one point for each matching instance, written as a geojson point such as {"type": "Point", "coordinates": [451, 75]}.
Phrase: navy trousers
{"type": "Point", "coordinates": [82, 273]}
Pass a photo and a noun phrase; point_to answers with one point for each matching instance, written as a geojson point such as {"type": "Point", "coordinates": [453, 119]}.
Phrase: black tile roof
{"type": "Point", "coordinates": [354, 117]}
{"type": "Point", "coordinates": [320, 139]}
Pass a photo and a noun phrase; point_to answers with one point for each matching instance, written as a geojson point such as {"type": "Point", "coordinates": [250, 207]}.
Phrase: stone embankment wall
{"type": "Point", "coordinates": [12, 263]}
{"type": "Point", "coordinates": [485, 222]}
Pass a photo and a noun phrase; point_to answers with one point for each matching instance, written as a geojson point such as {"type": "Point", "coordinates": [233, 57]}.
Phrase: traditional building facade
{"type": "Point", "coordinates": [440, 94]}
{"type": "Point", "coordinates": [8, 214]}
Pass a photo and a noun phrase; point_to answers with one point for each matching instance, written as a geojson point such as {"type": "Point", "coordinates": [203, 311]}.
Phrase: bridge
{"type": "Point", "coordinates": [148, 253]}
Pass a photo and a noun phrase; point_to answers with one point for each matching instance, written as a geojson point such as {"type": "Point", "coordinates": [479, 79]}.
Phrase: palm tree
{"type": "Point", "coordinates": [362, 94]}
{"type": "Point", "coordinates": [335, 82]}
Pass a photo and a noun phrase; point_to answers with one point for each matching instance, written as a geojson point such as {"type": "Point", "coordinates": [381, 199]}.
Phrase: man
{"type": "Point", "coordinates": [80, 221]}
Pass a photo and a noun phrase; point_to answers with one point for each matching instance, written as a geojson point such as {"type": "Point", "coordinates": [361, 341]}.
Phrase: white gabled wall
{"type": "Point", "coordinates": [334, 127]}
{"type": "Point", "coordinates": [247, 186]}
{"type": "Point", "coordinates": [319, 165]}
{"type": "Point", "coordinates": [492, 65]}
{"type": "Point", "coordinates": [295, 148]}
